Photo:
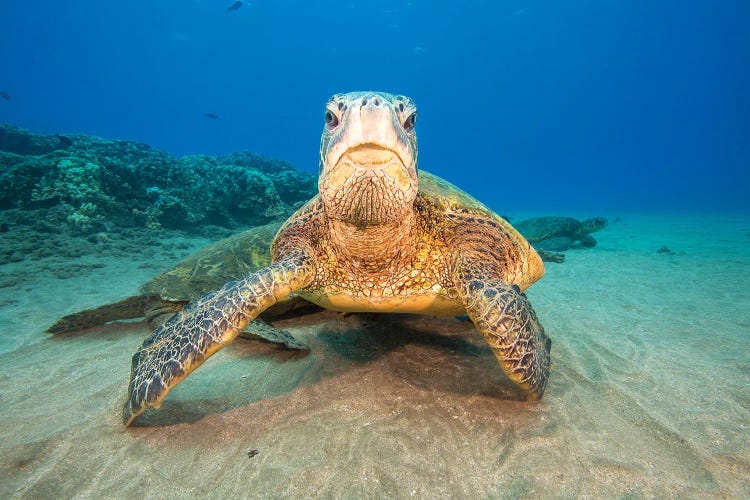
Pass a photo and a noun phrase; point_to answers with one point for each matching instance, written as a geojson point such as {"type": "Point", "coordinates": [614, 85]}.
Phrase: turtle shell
{"type": "Point", "coordinates": [444, 197]}
{"type": "Point", "coordinates": [215, 265]}
{"type": "Point", "coordinates": [239, 255]}
{"type": "Point", "coordinates": [543, 228]}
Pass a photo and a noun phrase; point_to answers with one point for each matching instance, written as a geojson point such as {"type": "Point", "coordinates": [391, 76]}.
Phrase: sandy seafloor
{"type": "Point", "coordinates": [649, 394]}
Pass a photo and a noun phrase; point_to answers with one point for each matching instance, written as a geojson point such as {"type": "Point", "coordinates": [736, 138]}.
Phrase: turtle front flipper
{"type": "Point", "coordinates": [504, 316]}
{"type": "Point", "coordinates": [204, 326]}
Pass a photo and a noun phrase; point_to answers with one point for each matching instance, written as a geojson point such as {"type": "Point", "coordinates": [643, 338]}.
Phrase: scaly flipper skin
{"type": "Point", "coordinates": [206, 325]}
{"type": "Point", "coordinates": [503, 314]}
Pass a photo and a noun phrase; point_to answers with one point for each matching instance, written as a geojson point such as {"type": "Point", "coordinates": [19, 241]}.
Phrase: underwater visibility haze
{"type": "Point", "coordinates": [629, 105]}
{"type": "Point", "coordinates": [151, 150]}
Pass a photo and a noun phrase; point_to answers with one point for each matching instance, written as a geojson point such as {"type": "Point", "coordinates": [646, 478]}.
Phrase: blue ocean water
{"type": "Point", "coordinates": [529, 105]}
{"type": "Point", "coordinates": [633, 110]}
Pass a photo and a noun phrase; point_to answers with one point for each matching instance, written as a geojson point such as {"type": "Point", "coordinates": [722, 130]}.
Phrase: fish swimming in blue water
{"type": "Point", "coordinates": [212, 116]}
{"type": "Point", "coordinates": [64, 141]}
{"type": "Point", "coordinates": [5, 96]}
{"type": "Point", "coordinates": [235, 6]}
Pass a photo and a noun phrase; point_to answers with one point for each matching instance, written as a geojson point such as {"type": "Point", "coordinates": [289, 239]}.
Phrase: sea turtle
{"type": "Point", "coordinates": [379, 236]}
{"type": "Point", "coordinates": [192, 277]}
{"type": "Point", "coordinates": [558, 234]}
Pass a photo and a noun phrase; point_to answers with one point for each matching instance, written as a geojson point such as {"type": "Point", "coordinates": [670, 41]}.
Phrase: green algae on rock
{"type": "Point", "coordinates": [88, 184]}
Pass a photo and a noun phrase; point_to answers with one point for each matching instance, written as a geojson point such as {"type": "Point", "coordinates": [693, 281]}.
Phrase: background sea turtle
{"type": "Point", "coordinates": [558, 234]}
{"type": "Point", "coordinates": [205, 270]}
{"type": "Point", "coordinates": [377, 237]}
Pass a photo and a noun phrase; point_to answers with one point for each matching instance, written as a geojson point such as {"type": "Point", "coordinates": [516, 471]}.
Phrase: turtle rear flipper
{"type": "Point", "coordinates": [158, 312]}
{"type": "Point", "coordinates": [129, 308]}
{"type": "Point", "coordinates": [260, 329]}
{"type": "Point", "coordinates": [551, 256]}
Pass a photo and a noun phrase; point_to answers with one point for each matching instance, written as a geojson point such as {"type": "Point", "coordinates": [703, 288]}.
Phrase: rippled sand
{"type": "Point", "coordinates": [649, 392]}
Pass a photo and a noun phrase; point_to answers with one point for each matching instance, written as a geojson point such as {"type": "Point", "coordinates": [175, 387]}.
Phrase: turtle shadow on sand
{"type": "Point", "coordinates": [444, 355]}
{"type": "Point", "coordinates": [441, 353]}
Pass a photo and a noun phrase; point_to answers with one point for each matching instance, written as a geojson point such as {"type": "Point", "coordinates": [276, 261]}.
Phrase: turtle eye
{"type": "Point", "coordinates": [410, 121]}
{"type": "Point", "coordinates": [331, 119]}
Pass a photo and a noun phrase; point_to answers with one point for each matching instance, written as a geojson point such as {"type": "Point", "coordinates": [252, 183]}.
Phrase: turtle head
{"type": "Point", "coordinates": [368, 158]}
{"type": "Point", "coordinates": [592, 225]}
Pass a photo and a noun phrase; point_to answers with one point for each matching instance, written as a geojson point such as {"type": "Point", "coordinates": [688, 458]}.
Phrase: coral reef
{"type": "Point", "coordinates": [16, 140]}
{"type": "Point", "coordinates": [86, 184]}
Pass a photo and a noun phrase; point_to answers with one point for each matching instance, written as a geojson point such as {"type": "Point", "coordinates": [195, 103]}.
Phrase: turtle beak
{"type": "Point", "coordinates": [370, 155]}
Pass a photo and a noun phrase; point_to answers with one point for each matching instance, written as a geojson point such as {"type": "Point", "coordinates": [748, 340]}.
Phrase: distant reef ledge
{"type": "Point", "coordinates": [87, 184]}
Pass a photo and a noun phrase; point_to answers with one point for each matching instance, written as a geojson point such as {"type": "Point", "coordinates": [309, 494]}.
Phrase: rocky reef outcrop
{"type": "Point", "coordinates": [87, 184]}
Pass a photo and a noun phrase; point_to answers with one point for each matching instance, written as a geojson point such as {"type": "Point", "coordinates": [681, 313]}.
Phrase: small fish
{"type": "Point", "coordinates": [235, 6]}
{"type": "Point", "coordinates": [212, 116]}
{"type": "Point", "coordinates": [65, 142]}
{"type": "Point", "coordinates": [5, 96]}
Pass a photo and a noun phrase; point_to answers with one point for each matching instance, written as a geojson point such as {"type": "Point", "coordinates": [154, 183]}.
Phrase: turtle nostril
{"type": "Point", "coordinates": [376, 102]}
{"type": "Point", "coordinates": [364, 101]}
